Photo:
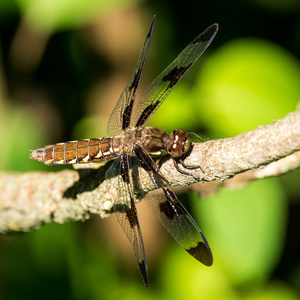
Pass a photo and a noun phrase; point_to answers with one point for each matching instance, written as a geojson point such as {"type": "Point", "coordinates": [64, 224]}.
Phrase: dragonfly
{"type": "Point", "coordinates": [129, 138]}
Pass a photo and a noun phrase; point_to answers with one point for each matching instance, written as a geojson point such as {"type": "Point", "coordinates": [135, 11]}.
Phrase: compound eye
{"type": "Point", "coordinates": [186, 146]}
{"type": "Point", "coordinates": [179, 135]}
{"type": "Point", "coordinates": [176, 150]}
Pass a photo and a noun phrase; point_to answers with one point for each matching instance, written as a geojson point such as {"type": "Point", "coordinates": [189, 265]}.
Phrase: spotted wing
{"type": "Point", "coordinates": [173, 216]}
{"type": "Point", "coordinates": [161, 87]}
{"type": "Point", "coordinates": [121, 115]}
{"type": "Point", "coordinates": [126, 213]}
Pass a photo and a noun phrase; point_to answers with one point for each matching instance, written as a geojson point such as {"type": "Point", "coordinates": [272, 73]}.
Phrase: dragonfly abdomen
{"type": "Point", "coordinates": [79, 152]}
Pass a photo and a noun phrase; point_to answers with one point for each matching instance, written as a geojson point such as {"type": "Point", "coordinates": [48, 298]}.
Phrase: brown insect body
{"type": "Point", "coordinates": [152, 140]}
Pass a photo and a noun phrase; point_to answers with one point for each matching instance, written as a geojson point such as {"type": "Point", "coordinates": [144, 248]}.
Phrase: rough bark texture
{"type": "Point", "coordinates": [31, 199]}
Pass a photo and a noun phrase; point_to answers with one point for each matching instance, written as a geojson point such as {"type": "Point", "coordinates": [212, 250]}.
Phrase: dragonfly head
{"type": "Point", "coordinates": [181, 143]}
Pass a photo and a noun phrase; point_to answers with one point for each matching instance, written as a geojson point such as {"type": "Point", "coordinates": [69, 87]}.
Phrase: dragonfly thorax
{"type": "Point", "coordinates": [154, 141]}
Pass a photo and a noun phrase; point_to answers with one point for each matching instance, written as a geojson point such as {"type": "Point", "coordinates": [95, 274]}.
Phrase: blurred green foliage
{"type": "Point", "coordinates": [55, 15]}
{"type": "Point", "coordinates": [15, 158]}
{"type": "Point", "coordinates": [248, 77]}
{"type": "Point", "coordinates": [257, 82]}
{"type": "Point", "coordinates": [260, 210]}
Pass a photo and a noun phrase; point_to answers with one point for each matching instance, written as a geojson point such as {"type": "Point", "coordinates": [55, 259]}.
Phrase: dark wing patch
{"type": "Point", "coordinates": [121, 115]}
{"type": "Point", "coordinates": [127, 112]}
{"type": "Point", "coordinates": [136, 80]}
{"type": "Point", "coordinates": [174, 75]}
{"type": "Point", "coordinates": [167, 209]}
{"type": "Point", "coordinates": [161, 87]}
{"type": "Point", "coordinates": [202, 252]}
{"type": "Point", "coordinates": [207, 35]}
{"type": "Point", "coordinates": [131, 215]}
{"type": "Point", "coordinates": [147, 113]}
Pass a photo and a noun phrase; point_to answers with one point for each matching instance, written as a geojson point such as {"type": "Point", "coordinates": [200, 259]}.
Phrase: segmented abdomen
{"type": "Point", "coordinates": [78, 152]}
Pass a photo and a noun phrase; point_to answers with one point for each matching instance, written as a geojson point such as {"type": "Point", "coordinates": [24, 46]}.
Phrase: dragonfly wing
{"type": "Point", "coordinates": [161, 87]}
{"type": "Point", "coordinates": [121, 115]}
{"type": "Point", "coordinates": [181, 225]}
{"type": "Point", "coordinates": [126, 213]}
{"type": "Point", "coordinates": [173, 216]}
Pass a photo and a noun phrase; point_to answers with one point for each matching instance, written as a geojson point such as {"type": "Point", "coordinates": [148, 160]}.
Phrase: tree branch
{"type": "Point", "coordinates": [31, 199]}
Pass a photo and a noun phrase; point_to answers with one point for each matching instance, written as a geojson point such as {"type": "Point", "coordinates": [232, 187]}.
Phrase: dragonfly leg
{"type": "Point", "coordinates": [188, 167]}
